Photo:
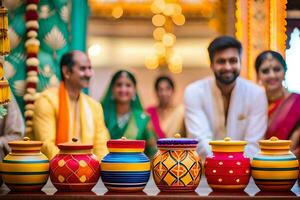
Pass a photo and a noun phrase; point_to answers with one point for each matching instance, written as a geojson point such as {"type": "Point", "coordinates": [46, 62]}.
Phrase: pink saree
{"type": "Point", "coordinates": [285, 118]}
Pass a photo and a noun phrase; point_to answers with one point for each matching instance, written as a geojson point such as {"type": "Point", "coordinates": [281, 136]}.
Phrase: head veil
{"type": "Point", "coordinates": [109, 103]}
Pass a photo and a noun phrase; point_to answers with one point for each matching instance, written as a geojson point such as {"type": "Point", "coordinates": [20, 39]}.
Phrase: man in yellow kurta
{"type": "Point", "coordinates": [64, 113]}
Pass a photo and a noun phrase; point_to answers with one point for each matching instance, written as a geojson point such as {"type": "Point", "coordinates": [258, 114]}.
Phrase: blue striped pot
{"type": "Point", "coordinates": [126, 168]}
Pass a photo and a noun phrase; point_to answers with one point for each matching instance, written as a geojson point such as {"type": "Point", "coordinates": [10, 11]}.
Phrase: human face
{"type": "Point", "coordinates": [226, 65]}
{"type": "Point", "coordinates": [123, 90]}
{"type": "Point", "coordinates": [164, 92]}
{"type": "Point", "coordinates": [271, 74]}
{"type": "Point", "coordinates": [81, 72]}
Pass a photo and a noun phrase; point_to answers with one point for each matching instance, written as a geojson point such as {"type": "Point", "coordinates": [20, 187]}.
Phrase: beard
{"type": "Point", "coordinates": [226, 78]}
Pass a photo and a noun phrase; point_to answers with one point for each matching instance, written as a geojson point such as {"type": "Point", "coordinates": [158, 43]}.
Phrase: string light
{"type": "Point", "coordinates": [158, 33]}
{"type": "Point", "coordinates": [158, 20]}
{"type": "Point", "coordinates": [165, 15]}
{"type": "Point", "coordinates": [117, 12]}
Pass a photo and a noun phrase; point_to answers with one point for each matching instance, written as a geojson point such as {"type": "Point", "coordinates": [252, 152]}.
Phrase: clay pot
{"type": "Point", "coordinates": [74, 168]}
{"type": "Point", "coordinates": [25, 168]}
{"type": "Point", "coordinates": [126, 168]}
{"type": "Point", "coordinates": [176, 166]}
{"type": "Point", "coordinates": [227, 169]}
{"type": "Point", "coordinates": [275, 168]}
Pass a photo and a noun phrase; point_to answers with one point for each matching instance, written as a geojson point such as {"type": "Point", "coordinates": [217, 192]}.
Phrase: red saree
{"type": "Point", "coordinates": [284, 117]}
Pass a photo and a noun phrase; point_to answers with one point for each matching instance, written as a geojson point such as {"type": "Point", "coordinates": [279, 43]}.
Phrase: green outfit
{"type": "Point", "coordinates": [137, 126]}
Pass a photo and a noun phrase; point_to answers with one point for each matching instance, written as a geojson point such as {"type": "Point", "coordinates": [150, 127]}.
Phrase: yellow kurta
{"type": "Point", "coordinates": [89, 114]}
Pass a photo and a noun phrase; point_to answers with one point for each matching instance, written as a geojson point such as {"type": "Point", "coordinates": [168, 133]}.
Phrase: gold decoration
{"type": "Point", "coordinates": [278, 25]}
{"type": "Point", "coordinates": [269, 16]}
{"type": "Point", "coordinates": [4, 91]}
{"type": "Point", "coordinates": [61, 178]}
{"type": "Point", "coordinates": [61, 163]}
{"type": "Point", "coordinates": [4, 40]}
{"type": "Point", "coordinates": [82, 179]}
{"type": "Point", "coordinates": [82, 163]}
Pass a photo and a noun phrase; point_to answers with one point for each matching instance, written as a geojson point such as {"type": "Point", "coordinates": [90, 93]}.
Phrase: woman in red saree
{"type": "Point", "coordinates": [167, 118]}
{"type": "Point", "coordinates": [284, 106]}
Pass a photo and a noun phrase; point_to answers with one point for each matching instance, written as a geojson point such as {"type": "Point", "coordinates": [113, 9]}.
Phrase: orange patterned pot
{"type": "Point", "coordinates": [177, 166]}
{"type": "Point", "coordinates": [25, 168]}
{"type": "Point", "coordinates": [74, 168]}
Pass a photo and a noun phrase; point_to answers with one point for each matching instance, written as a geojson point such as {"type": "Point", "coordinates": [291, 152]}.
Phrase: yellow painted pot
{"type": "Point", "coordinates": [25, 168]}
{"type": "Point", "coordinates": [275, 168]}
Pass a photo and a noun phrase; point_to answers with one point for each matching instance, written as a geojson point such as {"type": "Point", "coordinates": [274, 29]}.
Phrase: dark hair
{"type": "Point", "coordinates": [119, 73]}
{"type": "Point", "coordinates": [164, 78]}
{"type": "Point", "coordinates": [67, 60]}
{"type": "Point", "coordinates": [221, 43]}
{"type": "Point", "coordinates": [263, 56]}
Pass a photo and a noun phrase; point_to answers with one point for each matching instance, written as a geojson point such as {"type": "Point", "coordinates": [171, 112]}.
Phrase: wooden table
{"type": "Point", "coordinates": [151, 192]}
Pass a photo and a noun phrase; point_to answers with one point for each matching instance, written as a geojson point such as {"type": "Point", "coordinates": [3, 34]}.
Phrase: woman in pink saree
{"type": "Point", "coordinates": [167, 118]}
{"type": "Point", "coordinates": [284, 106]}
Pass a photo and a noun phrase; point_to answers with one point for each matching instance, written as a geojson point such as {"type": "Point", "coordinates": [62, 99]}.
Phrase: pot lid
{"type": "Point", "coordinates": [274, 143]}
{"type": "Point", "coordinates": [177, 141]}
{"type": "Point", "coordinates": [126, 145]}
{"type": "Point", "coordinates": [228, 145]}
{"type": "Point", "coordinates": [74, 145]}
{"type": "Point", "coordinates": [25, 143]}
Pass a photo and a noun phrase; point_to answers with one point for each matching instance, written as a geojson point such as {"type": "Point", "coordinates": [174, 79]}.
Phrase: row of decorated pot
{"type": "Point", "coordinates": [175, 167]}
{"type": "Point", "coordinates": [274, 168]}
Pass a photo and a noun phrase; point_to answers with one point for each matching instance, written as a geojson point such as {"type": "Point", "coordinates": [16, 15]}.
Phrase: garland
{"type": "Point", "coordinates": [4, 50]}
{"type": "Point", "coordinates": [32, 46]}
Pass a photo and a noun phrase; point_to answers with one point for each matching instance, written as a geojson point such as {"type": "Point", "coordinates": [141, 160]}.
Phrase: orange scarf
{"type": "Point", "coordinates": [62, 128]}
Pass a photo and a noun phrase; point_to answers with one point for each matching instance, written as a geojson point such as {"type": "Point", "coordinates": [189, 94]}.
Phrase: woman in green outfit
{"type": "Point", "coordinates": [124, 114]}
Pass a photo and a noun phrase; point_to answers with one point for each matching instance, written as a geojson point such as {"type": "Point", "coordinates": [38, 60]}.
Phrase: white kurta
{"type": "Point", "coordinates": [205, 118]}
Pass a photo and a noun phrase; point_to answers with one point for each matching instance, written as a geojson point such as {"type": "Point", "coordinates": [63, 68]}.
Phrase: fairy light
{"type": "Point", "coordinates": [166, 15]}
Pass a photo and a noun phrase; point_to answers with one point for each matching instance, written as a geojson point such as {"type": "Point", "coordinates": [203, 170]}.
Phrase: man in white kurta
{"type": "Point", "coordinates": [225, 105]}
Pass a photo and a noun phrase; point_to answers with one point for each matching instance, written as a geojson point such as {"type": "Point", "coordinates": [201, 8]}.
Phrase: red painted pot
{"type": "Point", "coordinates": [227, 169]}
{"type": "Point", "coordinates": [74, 168]}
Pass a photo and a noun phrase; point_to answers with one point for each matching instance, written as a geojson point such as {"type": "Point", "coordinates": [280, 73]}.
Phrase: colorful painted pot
{"type": "Point", "coordinates": [275, 168]}
{"type": "Point", "coordinates": [74, 168]}
{"type": "Point", "coordinates": [227, 169]}
{"type": "Point", "coordinates": [176, 166]}
{"type": "Point", "coordinates": [25, 168]}
{"type": "Point", "coordinates": [126, 168]}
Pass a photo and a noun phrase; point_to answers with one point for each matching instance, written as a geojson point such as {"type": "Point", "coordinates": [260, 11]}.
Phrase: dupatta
{"type": "Point", "coordinates": [137, 118]}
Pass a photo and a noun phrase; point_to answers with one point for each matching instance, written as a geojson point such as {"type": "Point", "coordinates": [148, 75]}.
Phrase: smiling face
{"type": "Point", "coordinates": [226, 65]}
{"type": "Point", "coordinates": [123, 89]}
{"type": "Point", "coordinates": [271, 74]}
{"type": "Point", "coordinates": [80, 73]}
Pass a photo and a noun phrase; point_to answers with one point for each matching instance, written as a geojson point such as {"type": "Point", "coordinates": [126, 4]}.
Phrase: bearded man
{"type": "Point", "coordinates": [225, 105]}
